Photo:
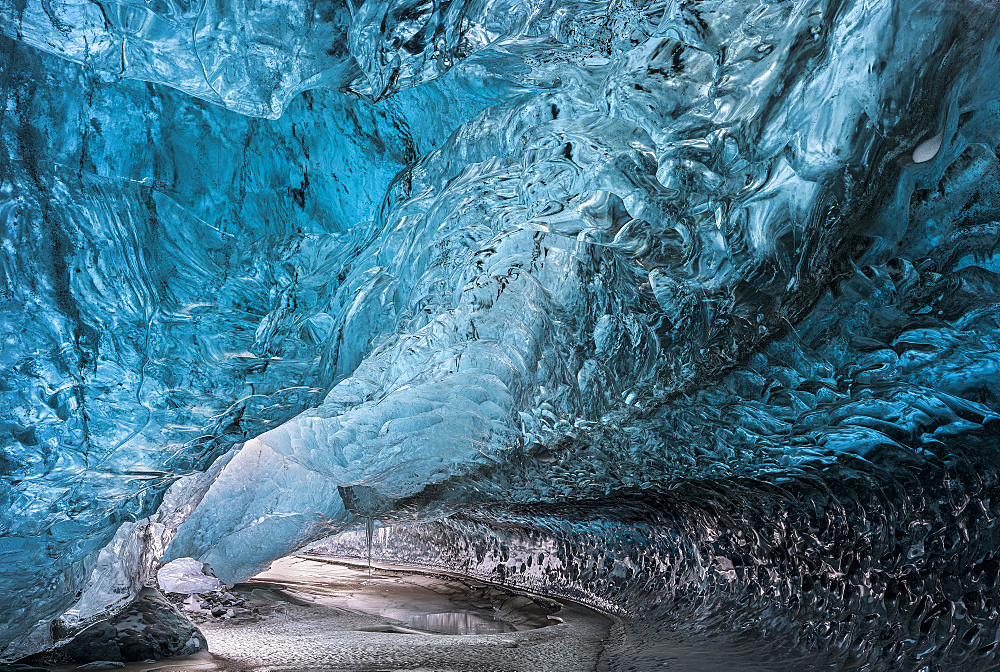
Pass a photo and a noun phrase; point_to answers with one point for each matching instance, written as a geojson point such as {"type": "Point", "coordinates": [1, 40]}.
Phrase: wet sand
{"type": "Point", "coordinates": [321, 616]}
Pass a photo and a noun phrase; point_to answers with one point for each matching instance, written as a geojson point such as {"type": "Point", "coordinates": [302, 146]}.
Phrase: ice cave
{"type": "Point", "coordinates": [571, 334]}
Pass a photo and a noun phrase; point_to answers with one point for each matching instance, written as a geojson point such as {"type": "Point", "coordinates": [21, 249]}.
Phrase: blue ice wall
{"type": "Point", "coordinates": [168, 271]}
{"type": "Point", "coordinates": [713, 282]}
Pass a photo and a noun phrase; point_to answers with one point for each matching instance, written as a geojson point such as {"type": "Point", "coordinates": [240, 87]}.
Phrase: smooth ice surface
{"type": "Point", "coordinates": [928, 149]}
{"type": "Point", "coordinates": [187, 576]}
{"type": "Point", "coordinates": [685, 309]}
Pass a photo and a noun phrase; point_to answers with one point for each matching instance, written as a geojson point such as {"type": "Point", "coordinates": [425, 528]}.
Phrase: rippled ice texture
{"type": "Point", "coordinates": [688, 309]}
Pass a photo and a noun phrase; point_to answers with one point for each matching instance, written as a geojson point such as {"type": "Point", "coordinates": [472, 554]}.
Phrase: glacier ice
{"type": "Point", "coordinates": [686, 309]}
{"type": "Point", "coordinates": [248, 57]}
{"type": "Point", "coordinates": [187, 576]}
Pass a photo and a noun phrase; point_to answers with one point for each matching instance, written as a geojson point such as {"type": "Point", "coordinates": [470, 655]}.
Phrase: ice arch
{"type": "Point", "coordinates": [663, 275]}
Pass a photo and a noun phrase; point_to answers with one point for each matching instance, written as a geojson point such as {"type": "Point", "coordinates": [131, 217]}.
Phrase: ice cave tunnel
{"type": "Point", "coordinates": [682, 314]}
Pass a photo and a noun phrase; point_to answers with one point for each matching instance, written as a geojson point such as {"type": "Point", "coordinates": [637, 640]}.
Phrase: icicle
{"type": "Point", "coordinates": [370, 531]}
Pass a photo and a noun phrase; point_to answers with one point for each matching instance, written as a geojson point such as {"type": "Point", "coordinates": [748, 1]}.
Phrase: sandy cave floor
{"type": "Point", "coordinates": [317, 615]}
{"type": "Point", "coordinates": [323, 616]}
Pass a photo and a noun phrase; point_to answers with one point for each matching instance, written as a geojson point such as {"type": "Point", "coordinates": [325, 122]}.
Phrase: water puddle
{"type": "Point", "coordinates": [460, 623]}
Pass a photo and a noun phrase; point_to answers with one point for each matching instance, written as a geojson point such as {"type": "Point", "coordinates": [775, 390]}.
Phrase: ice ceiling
{"type": "Point", "coordinates": [686, 308]}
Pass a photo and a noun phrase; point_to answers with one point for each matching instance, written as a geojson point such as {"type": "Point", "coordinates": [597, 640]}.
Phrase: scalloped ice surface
{"type": "Point", "coordinates": [689, 310]}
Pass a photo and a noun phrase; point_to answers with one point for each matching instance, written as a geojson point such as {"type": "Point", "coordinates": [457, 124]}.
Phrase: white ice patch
{"type": "Point", "coordinates": [186, 576]}
{"type": "Point", "coordinates": [928, 149]}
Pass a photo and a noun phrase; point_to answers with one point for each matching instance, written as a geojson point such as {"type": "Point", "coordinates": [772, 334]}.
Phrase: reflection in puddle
{"type": "Point", "coordinates": [460, 623]}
